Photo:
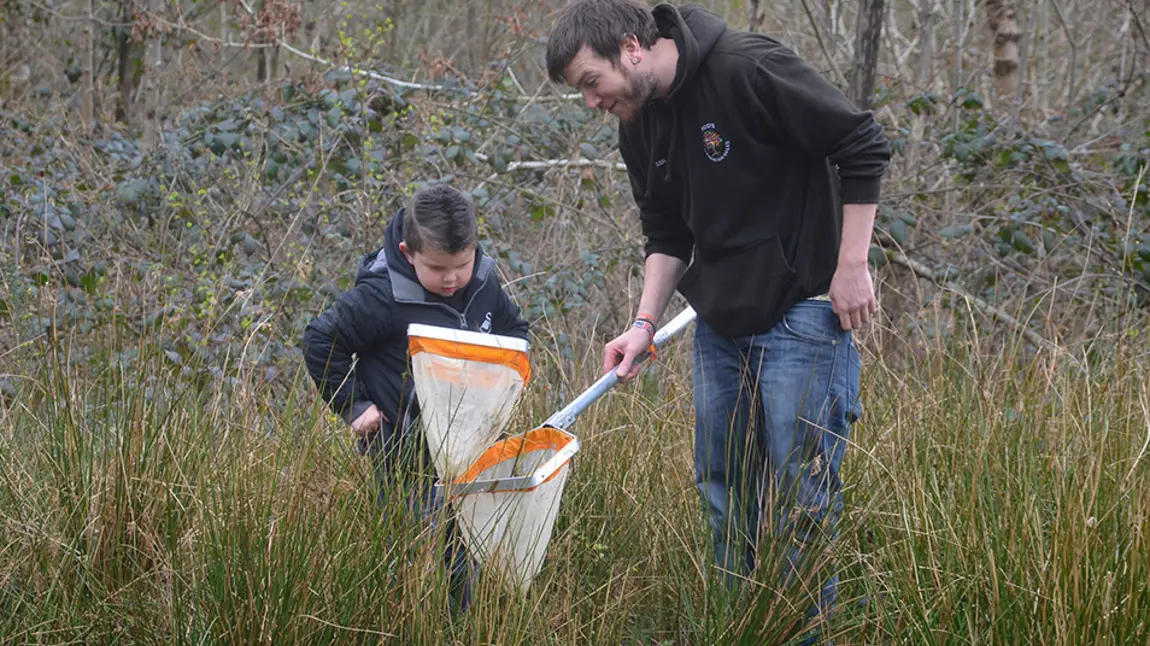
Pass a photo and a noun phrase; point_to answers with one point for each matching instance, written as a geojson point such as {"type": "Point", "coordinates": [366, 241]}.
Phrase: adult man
{"type": "Point", "coordinates": [757, 183]}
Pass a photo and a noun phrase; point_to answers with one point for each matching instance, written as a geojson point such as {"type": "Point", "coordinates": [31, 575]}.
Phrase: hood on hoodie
{"type": "Point", "coordinates": [388, 258]}
{"type": "Point", "coordinates": [694, 30]}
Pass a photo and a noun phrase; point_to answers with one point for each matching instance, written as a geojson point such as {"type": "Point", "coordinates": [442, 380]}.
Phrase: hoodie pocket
{"type": "Point", "coordinates": [743, 290]}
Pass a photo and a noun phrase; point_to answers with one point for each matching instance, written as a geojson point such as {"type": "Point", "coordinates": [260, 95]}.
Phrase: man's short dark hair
{"type": "Point", "coordinates": [442, 218]}
{"type": "Point", "coordinates": [600, 24]}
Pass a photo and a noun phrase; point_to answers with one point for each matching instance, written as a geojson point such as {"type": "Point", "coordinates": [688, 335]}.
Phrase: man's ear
{"type": "Point", "coordinates": [630, 47]}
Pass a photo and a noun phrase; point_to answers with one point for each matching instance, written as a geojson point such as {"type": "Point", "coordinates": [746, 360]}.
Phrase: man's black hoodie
{"type": "Point", "coordinates": [743, 168]}
{"type": "Point", "coordinates": [370, 321]}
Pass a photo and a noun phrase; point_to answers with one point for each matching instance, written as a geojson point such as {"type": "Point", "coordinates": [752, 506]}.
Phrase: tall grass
{"type": "Point", "coordinates": [990, 499]}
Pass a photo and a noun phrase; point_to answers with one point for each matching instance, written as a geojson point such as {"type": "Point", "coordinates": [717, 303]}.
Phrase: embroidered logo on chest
{"type": "Point", "coordinates": [714, 145]}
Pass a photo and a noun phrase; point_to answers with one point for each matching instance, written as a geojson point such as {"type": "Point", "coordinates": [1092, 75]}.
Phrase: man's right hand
{"type": "Point", "coordinates": [621, 353]}
{"type": "Point", "coordinates": [367, 422]}
{"type": "Point", "coordinates": [661, 273]}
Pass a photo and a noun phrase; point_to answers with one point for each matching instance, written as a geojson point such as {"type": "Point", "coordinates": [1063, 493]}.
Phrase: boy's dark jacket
{"type": "Point", "coordinates": [370, 320]}
{"type": "Point", "coordinates": [737, 166]}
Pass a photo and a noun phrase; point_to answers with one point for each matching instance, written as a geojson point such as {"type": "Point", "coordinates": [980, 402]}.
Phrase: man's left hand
{"type": "Point", "coordinates": [852, 295]}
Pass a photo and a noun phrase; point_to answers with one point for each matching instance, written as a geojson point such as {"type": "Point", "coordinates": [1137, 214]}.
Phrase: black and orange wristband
{"type": "Point", "coordinates": [647, 322]}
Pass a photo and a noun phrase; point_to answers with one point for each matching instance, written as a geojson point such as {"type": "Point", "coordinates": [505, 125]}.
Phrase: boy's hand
{"type": "Point", "coordinates": [368, 422]}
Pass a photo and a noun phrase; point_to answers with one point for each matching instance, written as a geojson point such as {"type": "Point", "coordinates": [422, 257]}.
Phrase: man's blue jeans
{"type": "Point", "coordinates": [773, 415]}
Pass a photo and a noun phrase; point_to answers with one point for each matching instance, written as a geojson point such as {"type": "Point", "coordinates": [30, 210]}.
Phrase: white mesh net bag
{"type": "Point", "coordinates": [508, 501]}
{"type": "Point", "coordinates": [467, 384]}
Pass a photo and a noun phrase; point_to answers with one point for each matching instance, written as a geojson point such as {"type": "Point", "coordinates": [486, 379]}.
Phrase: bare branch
{"type": "Point", "coordinates": [986, 308]}
{"type": "Point", "coordinates": [373, 75]}
{"type": "Point", "coordinates": [822, 46]}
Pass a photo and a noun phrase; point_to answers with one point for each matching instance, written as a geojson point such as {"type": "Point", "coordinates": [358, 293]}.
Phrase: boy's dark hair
{"type": "Point", "coordinates": [600, 24]}
{"type": "Point", "coordinates": [442, 218]}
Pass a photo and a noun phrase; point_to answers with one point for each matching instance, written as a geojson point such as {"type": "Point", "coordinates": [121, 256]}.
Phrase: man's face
{"type": "Point", "coordinates": [440, 272]}
{"type": "Point", "coordinates": [622, 90]}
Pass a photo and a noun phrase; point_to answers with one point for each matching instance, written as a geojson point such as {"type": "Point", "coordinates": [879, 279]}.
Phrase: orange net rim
{"type": "Point", "coordinates": [514, 359]}
{"type": "Point", "coordinates": [539, 439]}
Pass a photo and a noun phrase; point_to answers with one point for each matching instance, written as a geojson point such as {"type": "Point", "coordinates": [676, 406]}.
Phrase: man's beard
{"type": "Point", "coordinates": [640, 91]}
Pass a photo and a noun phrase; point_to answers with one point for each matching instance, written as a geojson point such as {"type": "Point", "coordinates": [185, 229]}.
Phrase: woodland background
{"type": "Point", "coordinates": [186, 183]}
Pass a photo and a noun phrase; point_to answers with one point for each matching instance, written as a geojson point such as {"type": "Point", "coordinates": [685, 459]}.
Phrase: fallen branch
{"type": "Point", "coordinates": [551, 163]}
{"type": "Point", "coordinates": [556, 163]}
{"type": "Point", "coordinates": [986, 308]}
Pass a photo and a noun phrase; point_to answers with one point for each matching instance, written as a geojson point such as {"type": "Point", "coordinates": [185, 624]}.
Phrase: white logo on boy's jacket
{"type": "Point", "coordinates": [486, 326]}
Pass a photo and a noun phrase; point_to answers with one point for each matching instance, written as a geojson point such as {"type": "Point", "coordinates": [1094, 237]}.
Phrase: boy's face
{"type": "Point", "coordinates": [440, 272]}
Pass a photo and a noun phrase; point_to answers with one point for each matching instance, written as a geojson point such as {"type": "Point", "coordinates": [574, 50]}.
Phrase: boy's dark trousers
{"type": "Point", "coordinates": [403, 466]}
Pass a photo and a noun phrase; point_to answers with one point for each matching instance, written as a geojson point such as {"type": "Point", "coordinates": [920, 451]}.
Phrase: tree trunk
{"type": "Point", "coordinates": [922, 67]}
{"type": "Point", "coordinates": [957, 21]}
{"type": "Point", "coordinates": [1004, 29]}
{"type": "Point", "coordinates": [155, 59]}
{"type": "Point", "coordinates": [923, 75]}
{"type": "Point", "coordinates": [473, 50]}
{"type": "Point", "coordinates": [867, 38]}
{"type": "Point", "coordinates": [223, 35]}
{"type": "Point", "coordinates": [88, 90]}
{"type": "Point", "coordinates": [1024, 54]}
{"type": "Point", "coordinates": [269, 57]}
{"type": "Point", "coordinates": [266, 56]}
{"type": "Point", "coordinates": [155, 44]}
{"type": "Point", "coordinates": [754, 15]}
{"type": "Point", "coordinates": [130, 63]}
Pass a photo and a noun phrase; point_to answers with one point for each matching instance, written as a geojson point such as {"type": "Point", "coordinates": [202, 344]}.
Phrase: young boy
{"type": "Point", "coordinates": [429, 270]}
